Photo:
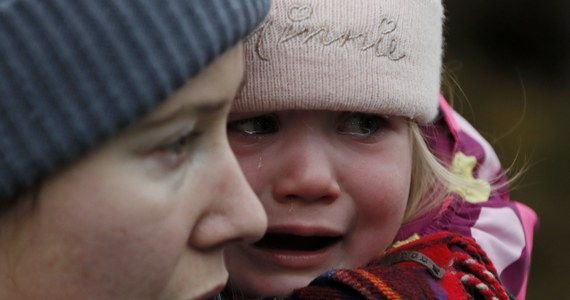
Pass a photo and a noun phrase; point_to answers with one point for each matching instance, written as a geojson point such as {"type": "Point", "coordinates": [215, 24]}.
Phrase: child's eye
{"type": "Point", "coordinates": [265, 124]}
{"type": "Point", "coordinates": [362, 125]}
{"type": "Point", "coordinates": [177, 151]}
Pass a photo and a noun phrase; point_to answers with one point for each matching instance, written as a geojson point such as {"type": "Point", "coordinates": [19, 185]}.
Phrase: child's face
{"type": "Point", "coordinates": [147, 215]}
{"type": "Point", "coordinates": [334, 185]}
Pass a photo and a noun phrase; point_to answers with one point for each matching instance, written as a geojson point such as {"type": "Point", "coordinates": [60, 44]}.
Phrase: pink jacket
{"type": "Point", "coordinates": [503, 228]}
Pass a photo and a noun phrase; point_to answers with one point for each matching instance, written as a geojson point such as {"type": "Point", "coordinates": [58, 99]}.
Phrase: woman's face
{"type": "Point", "coordinates": [334, 185]}
{"type": "Point", "coordinates": [145, 216]}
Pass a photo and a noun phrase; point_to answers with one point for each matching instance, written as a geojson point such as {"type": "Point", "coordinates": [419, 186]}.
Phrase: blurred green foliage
{"type": "Point", "coordinates": [511, 60]}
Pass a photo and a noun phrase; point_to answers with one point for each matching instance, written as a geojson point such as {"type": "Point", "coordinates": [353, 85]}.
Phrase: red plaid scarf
{"type": "Point", "coordinates": [440, 266]}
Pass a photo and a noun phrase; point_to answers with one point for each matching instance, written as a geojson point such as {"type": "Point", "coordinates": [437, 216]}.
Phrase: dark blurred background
{"type": "Point", "coordinates": [511, 60]}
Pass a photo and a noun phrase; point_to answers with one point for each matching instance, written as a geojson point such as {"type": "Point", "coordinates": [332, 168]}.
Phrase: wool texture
{"type": "Point", "coordinates": [375, 56]}
{"type": "Point", "coordinates": [466, 273]}
{"type": "Point", "coordinates": [75, 72]}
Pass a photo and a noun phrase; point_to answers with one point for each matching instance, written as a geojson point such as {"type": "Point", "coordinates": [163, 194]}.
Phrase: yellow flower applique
{"type": "Point", "coordinates": [412, 238]}
{"type": "Point", "coordinates": [471, 189]}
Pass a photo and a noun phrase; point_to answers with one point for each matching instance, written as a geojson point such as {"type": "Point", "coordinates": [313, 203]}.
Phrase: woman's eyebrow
{"type": "Point", "coordinates": [205, 108]}
{"type": "Point", "coordinates": [185, 111]}
{"type": "Point", "coordinates": [192, 109]}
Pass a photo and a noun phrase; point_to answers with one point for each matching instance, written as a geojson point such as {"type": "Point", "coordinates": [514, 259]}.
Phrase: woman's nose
{"type": "Point", "coordinates": [307, 171]}
{"type": "Point", "coordinates": [236, 214]}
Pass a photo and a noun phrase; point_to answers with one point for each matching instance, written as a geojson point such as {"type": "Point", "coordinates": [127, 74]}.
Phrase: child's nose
{"type": "Point", "coordinates": [308, 172]}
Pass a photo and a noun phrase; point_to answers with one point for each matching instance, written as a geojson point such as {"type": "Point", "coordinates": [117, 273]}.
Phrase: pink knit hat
{"type": "Point", "coordinates": [377, 56]}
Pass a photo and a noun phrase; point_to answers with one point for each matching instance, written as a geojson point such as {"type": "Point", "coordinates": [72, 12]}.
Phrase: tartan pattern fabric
{"type": "Point", "coordinates": [468, 274]}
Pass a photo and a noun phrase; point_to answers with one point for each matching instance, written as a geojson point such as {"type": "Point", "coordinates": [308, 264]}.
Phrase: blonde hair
{"type": "Point", "coordinates": [432, 179]}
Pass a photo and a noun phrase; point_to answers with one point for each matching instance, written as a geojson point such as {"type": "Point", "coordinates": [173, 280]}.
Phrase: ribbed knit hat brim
{"type": "Point", "coordinates": [75, 72]}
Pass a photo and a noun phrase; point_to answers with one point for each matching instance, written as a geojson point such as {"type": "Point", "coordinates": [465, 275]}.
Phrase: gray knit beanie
{"type": "Point", "coordinates": [75, 72]}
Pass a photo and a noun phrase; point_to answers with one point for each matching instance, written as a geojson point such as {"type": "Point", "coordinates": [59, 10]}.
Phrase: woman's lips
{"type": "Point", "coordinates": [297, 247]}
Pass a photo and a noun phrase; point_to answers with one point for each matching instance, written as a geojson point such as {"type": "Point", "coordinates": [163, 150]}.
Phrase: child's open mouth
{"type": "Point", "coordinates": [294, 242]}
{"type": "Point", "coordinates": [299, 247]}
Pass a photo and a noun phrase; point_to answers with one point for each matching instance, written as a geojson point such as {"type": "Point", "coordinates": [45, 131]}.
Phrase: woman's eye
{"type": "Point", "coordinates": [362, 125]}
{"type": "Point", "coordinates": [266, 124]}
{"type": "Point", "coordinates": [175, 152]}
{"type": "Point", "coordinates": [181, 145]}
